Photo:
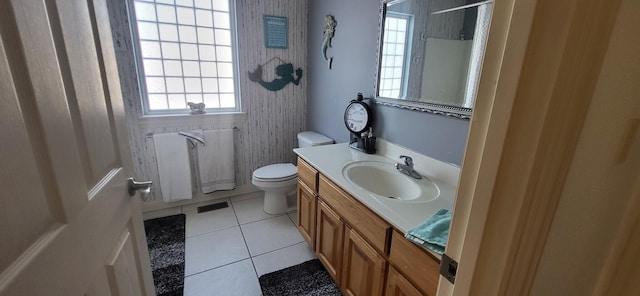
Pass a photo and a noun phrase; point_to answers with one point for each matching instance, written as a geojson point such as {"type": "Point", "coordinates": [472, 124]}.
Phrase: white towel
{"type": "Point", "coordinates": [216, 165]}
{"type": "Point", "coordinates": [172, 157]}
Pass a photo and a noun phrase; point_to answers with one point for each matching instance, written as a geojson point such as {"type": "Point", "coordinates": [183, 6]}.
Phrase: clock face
{"type": "Point", "coordinates": [356, 117]}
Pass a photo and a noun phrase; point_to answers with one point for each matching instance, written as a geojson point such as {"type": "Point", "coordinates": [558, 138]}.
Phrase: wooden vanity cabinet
{"type": "Point", "coordinates": [307, 214]}
{"type": "Point", "coordinates": [357, 247]}
{"type": "Point", "coordinates": [415, 264]}
{"type": "Point", "coordinates": [363, 242]}
{"type": "Point", "coordinates": [372, 228]}
{"type": "Point", "coordinates": [362, 267]}
{"type": "Point", "coordinates": [306, 197]}
{"type": "Point", "coordinates": [398, 285]}
{"type": "Point", "coordinates": [329, 237]}
{"type": "Point", "coordinates": [308, 175]}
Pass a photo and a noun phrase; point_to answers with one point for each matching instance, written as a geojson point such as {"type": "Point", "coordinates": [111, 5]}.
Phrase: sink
{"type": "Point", "coordinates": [383, 181]}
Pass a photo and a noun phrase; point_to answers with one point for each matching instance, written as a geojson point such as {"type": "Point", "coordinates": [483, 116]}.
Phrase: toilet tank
{"type": "Point", "coordinates": [310, 139]}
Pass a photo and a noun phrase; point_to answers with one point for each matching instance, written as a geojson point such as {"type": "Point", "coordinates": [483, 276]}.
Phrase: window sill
{"type": "Point", "coordinates": [180, 120]}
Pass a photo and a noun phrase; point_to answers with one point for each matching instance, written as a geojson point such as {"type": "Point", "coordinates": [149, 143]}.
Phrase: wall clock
{"type": "Point", "coordinates": [357, 116]}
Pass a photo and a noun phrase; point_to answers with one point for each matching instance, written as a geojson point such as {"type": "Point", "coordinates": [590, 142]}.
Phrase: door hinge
{"type": "Point", "coordinates": [448, 268]}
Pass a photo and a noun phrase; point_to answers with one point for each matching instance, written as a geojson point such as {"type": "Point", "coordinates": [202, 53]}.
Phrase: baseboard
{"type": "Point", "coordinates": [198, 198]}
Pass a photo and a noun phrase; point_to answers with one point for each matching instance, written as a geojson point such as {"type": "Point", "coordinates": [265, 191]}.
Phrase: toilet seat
{"type": "Point", "coordinates": [279, 181]}
{"type": "Point", "coordinates": [279, 172]}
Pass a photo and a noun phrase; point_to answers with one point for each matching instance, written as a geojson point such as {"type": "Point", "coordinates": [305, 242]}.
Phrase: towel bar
{"type": "Point", "coordinates": [192, 142]}
{"type": "Point", "coordinates": [150, 135]}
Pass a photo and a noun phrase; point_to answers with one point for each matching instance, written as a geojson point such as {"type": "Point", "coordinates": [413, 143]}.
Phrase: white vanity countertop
{"type": "Point", "coordinates": [331, 159]}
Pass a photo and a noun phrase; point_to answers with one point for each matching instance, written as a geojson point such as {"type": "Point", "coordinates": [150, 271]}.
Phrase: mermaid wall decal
{"type": "Point", "coordinates": [329, 30]}
{"type": "Point", "coordinates": [285, 73]}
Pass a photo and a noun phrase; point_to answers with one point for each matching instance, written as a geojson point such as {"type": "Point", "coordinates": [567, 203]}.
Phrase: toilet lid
{"type": "Point", "coordinates": [277, 171]}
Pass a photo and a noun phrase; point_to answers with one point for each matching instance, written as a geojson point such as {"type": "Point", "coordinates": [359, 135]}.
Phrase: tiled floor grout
{"type": "Point", "coordinates": [204, 233]}
{"type": "Point", "coordinates": [245, 241]}
{"type": "Point", "coordinates": [294, 222]}
{"type": "Point", "coordinates": [252, 256]}
{"type": "Point", "coordinates": [210, 269]}
{"type": "Point", "coordinates": [268, 261]}
{"type": "Point", "coordinates": [278, 249]}
{"type": "Point", "coordinates": [278, 216]}
{"type": "Point", "coordinates": [209, 232]}
{"type": "Point", "coordinates": [262, 219]}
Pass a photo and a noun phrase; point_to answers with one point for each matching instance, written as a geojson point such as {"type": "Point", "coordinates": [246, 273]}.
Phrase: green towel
{"type": "Point", "coordinates": [433, 232]}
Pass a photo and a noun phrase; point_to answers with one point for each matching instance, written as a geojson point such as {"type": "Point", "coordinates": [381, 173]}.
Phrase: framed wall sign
{"type": "Point", "coordinates": [275, 31]}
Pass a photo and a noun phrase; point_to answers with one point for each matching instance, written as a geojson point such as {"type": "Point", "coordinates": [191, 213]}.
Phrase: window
{"type": "Point", "coordinates": [393, 66]}
{"type": "Point", "coordinates": [186, 52]}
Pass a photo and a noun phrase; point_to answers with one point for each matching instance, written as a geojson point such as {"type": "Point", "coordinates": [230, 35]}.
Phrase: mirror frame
{"type": "Point", "coordinates": [410, 103]}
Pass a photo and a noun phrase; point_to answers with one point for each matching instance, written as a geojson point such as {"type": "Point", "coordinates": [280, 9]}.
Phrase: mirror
{"type": "Point", "coordinates": [430, 54]}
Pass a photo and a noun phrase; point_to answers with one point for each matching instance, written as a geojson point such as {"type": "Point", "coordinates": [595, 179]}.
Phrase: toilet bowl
{"type": "Point", "coordinates": [277, 180]}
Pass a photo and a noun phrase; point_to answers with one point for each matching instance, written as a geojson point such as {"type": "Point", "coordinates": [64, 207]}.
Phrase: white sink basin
{"type": "Point", "coordinates": [382, 180]}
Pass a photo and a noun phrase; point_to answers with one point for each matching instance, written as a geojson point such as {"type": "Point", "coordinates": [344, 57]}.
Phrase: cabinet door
{"type": "Point", "coordinates": [398, 285]}
{"type": "Point", "coordinates": [363, 268]}
{"type": "Point", "coordinates": [415, 263]}
{"type": "Point", "coordinates": [329, 230]}
{"type": "Point", "coordinates": [307, 214]}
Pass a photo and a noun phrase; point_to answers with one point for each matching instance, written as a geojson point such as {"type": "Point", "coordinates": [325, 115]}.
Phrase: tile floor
{"type": "Point", "coordinates": [226, 250]}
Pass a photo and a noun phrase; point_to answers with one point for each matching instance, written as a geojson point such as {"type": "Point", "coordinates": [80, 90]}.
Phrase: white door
{"type": "Point", "coordinates": [67, 223]}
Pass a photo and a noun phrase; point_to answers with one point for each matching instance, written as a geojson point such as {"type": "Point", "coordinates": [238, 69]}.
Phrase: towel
{"type": "Point", "coordinates": [216, 165]}
{"type": "Point", "coordinates": [172, 158]}
{"type": "Point", "coordinates": [433, 232]}
{"type": "Point", "coordinates": [195, 135]}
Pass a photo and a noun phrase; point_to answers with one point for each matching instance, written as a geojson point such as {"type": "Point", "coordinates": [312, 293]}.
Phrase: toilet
{"type": "Point", "coordinates": [277, 180]}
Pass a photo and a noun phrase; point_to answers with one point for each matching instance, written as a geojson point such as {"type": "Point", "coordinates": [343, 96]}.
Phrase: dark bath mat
{"type": "Point", "coordinates": [165, 238]}
{"type": "Point", "coordinates": [305, 279]}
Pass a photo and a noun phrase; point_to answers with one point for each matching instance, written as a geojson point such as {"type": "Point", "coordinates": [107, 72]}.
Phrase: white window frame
{"type": "Point", "coordinates": [141, 77]}
{"type": "Point", "coordinates": [383, 90]}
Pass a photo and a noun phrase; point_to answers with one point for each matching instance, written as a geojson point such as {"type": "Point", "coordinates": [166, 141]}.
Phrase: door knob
{"type": "Point", "coordinates": [133, 186]}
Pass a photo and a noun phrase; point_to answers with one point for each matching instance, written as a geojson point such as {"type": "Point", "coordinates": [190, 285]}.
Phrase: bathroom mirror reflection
{"type": "Point", "coordinates": [430, 54]}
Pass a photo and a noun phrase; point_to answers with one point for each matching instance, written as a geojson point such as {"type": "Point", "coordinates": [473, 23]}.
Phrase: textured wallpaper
{"type": "Point", "coordinates": [268, 132]}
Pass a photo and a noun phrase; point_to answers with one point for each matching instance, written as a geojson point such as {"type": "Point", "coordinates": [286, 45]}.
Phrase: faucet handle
{"type": "Point", "coordinates": [407, 160]}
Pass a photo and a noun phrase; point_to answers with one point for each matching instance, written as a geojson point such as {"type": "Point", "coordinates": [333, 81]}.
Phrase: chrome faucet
{"type": "Point", "coordinates": [407, 167]}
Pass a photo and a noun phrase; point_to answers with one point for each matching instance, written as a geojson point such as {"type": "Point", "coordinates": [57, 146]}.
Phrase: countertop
{"type": "Point", "coordinates": [331, 159]}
